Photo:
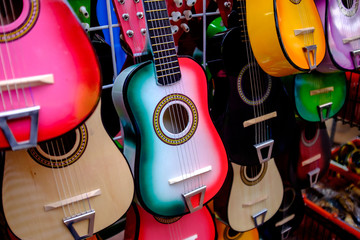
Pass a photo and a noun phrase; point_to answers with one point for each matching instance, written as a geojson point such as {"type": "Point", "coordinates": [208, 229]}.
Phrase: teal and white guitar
{"type": "Point", "coordinates": [177, 157]}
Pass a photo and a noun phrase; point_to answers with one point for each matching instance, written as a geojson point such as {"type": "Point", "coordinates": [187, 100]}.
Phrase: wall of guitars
{"type": "Point", "coordinates": [173, 119]}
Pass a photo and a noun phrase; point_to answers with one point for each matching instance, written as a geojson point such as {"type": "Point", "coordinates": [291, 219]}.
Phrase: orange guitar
{"type": "Point", "coordinates": [287, 37]}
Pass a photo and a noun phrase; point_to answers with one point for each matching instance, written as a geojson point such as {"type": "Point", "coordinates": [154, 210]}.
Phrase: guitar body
{"type": "Point", "coordinates": [314, 153]}
{"type": "Point", "coordinates": [251, 190]}
{"type": "Point", "coordinates": [224, 232]}
{"type": "Point", "coordinates": [273, 23]}
{"type": "Point", "coordinates": [158, 152]}
{"type": "Point", "coordinates": [75, 90]}
{"type": "Point", "coordinates": [84, 160]}
{"type": "Point", "coordinates": [314, 91]}
{"type": "Point", "coordinates": [142, 225]}
{"type": "Point", "coordinates": [238, 104]}
{"type": "Point", "coordinates": [341, 25]}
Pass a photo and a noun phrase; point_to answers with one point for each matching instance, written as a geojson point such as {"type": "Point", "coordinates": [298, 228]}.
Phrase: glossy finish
{"type": "Point", "coordinates": [340, 22]}
{"type": "Point", "coordinates": [271, 26]}
{"type": "Point", "coordinates": [66, 52]}
{"type": "Point", "coordinates": [307, 104]}
{"type": "Point", "coordinates": [154, 162]}
{"type": "Point", "coordinates": [144, 226]}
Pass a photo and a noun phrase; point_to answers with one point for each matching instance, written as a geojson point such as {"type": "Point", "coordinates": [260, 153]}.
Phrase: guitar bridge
{"type": "Point", "coordinates": [188, 196]}
{"type": "Point", "coordinates": [90, 215]}
{"type": "Point", "coordinates": [311, 56]}
{"type": "Point", "coordinates": [324, 107]}
{"type": "Point", "coordinates": [33, 113]}
{"type": "Point", "coordinates": [355, 58]}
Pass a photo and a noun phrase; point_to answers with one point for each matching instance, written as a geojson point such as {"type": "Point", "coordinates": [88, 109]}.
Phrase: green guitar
{"type": "Point", "coordinates": [317, 96]}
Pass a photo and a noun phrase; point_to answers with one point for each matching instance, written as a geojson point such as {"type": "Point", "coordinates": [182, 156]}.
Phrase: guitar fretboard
{"type": "Point", "coordinates": [162, 42]}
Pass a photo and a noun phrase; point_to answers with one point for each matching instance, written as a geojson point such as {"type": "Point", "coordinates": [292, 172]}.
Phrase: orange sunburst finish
{"type": "Point", "coordinates": [280, 32]}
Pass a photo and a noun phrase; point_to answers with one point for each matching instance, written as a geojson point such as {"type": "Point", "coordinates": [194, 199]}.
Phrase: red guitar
{"type": "Point", "coordinates": [50, 79]}
{"type": "Point", "coordinates": [142, 225]}
{"type": "Point", "coordinates": [314, 153]}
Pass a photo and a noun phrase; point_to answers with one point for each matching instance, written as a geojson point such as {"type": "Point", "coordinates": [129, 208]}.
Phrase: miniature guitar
{"type": "Point", "coordinates": [317, 96]}
{"type": "Point", "coordinates": [253, 114]}
{"type": "Point", "coordinates": [314, 154]}
{"type": "Point", "coordinates": [250, 196]}
{"type": "Point", "coordinates": [177, 156]}
{"type": "Point", "coordinates": [67, 188]}
{"type": "Point", "coordinates": [287, 36]}
{"type": "Point", "coordinates": [341, 25]}
{"type": "Point", "coordinates": [51, 87]}
{"type": "Point", "coordinates": [142, 225]}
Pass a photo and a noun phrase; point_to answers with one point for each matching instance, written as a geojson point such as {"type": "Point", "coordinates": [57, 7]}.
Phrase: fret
{"type": "Point", "coordinates": [165, 35]}
{"type": "Point", "coordinates": [160, 64]}
{"type": "Point", "coordinates": [156, 10]}
{"type": "Point", "coordinates": [162, 70]}
{"type": "Point", "coordinates": [169, 74]}
{"type": "Point", "coordinates": [162, 43]}
{"type": "Point", "coordinates": [173, 55]}
{"type": "Point", "coordinates": [158, 19]}
{"type": "Point", "coordinates": [153, 1]}
{"type": "Point", "coordinates": [165, 50]}
{"type": "Point", "coordinates": [157, 28]}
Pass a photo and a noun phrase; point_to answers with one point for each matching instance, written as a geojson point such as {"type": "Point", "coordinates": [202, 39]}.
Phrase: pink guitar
{"type": "Point", "coordinates": [342, 29]}
{"type": "Point", "coordinates": [50, 79]}
{"type": "Point", "coordinates": [142, 225]}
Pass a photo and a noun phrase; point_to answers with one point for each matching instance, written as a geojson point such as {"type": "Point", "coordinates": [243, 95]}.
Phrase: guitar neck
{"type": "Point", "coordinates": [162, 42]}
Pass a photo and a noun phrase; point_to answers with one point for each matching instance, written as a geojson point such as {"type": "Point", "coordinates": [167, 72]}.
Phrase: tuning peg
{"type": "Point", "coordinates": [187, 14]}
{"type": "Point", "coordinates": [174, 29]}
{"type": "Point", "coordinates": [125, 16]}
{"type": "Point", "coordinates": [121, 1]}
{"type": "Point", "coordinates": [175, 16]}
{"type": "Point", "coordinates": [130, 33]}
{"type": "Point", "coordinates": [185, 27]}
{"type": "Point", "coordinates": [140, 15]}
{"type": "Point", "coordinates": [85, 26]}
{"type": "Point", "coordinates": [178, 3]}
{"type": "Point", "coordinates": [227, 4]}
{"type": "Point", "coordinates": [83, 10]}
{"type": "Point", "coordinates": [190, 3]}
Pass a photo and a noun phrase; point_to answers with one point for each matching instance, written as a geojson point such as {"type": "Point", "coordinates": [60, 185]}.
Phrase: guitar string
{"type": "Point", "coordinates": [157, 41]}
{"type": "Point", "coordinates": [9, 56]}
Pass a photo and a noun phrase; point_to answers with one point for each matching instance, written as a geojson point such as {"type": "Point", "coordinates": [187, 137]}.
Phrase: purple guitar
{"type": "Point", "coordinates": [340, 19]}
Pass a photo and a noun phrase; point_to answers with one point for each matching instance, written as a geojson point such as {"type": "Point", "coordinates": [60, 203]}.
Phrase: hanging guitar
{"type": "Point", "coordinates": [253, 113]}
{"type": "Point", "coordinates": [287, 36]}
{"type": "Point", "coordinates": [51, 87]}
{"type": "Point", "coordinates": [341, 26]}
{"type": "Point", "coordinates": [317, 96]}
{"type": "Point", "coordinates": [142, 225]}
{"type": "Point", "coordinates": [67, 188]}
{"type": "Point", "coordinates": [179, 160]}
{"type": "Point", "coordinates": [314, 154]}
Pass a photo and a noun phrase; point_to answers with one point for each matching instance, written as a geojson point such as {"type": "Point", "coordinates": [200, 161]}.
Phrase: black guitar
{"type": "Point", "coordinates": [252, 112]}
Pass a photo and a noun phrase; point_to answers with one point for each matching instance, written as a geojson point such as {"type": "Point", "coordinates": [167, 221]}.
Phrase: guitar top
{"type": "Point", "coordinates": [79, 176]}
{"type": "Point", "coordinates": [250, 103]}
{"type": "Point", "coordinates": [54, 84]}
{"type": "Point", "coordinates": [142, 225]}
{"type": "Point", "coordinates": [287, 36]}
{"type": "Point", "coordinates": [341, 25]}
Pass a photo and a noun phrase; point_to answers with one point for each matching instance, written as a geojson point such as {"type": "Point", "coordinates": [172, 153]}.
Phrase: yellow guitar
{"type": "Point", "coordinates": [67, 188]}
{"type": "Point", "coordinates": [287, 36]}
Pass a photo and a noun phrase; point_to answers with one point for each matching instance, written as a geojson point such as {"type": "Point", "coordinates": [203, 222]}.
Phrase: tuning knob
{"type": "Point", "coordinates": [85, 26]}
{"type": "Point", "coordinates": [121, 1]}
{"type": "Point", "coordinates": [83, 10]}
{"type": "Point", "coordinates": [187, 14]}
{"type": "Point", "coordinates": [227, 4]}
{"type": "Point", "coordinates": [185, 27]}
{"type": "Point", "coordinates": [190, 3]}
{"type": "Point", "coordinates": [174, 29]}
{"type": "Point", "coordinates": [140, 15]}
{"type": "Point", "coordinates": [130, 33]}
{"type": "Point", "coordinates": [175, 16]}
{"type": "Point", "coordinates": [178, 3]}
{"type": "Point", "coordinates": [125, 16]}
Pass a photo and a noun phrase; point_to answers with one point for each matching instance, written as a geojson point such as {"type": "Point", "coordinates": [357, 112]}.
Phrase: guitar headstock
{"type": "Point", "coordinates": [131, 17]}
{"type": "Point", "coordinates": [225, 8]}
{"type": "Point", "coordinates": [179, 13]}
{"type": "Point", "coordinates": [82, 10]}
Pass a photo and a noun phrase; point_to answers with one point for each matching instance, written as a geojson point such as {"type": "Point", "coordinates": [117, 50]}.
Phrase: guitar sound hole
{"type": "Point", "coordinates": [348, 3]}
{"type": "Point", "coordinates": [175, 118]}
{"type": "Point", "coordinates": [253, 171]}
{"type": "Point", "coordinates": [252, 175]}
{"type": "Point", "coordinates": [10, 10]}
{"type": "Point", "coordinates": [59, 146]}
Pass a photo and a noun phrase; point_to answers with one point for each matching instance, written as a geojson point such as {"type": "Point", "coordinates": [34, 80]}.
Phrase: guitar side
{"type": "Point", "coordinates": [162, 156]}
{"type": "Point", "coordinates": [28, 187]}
